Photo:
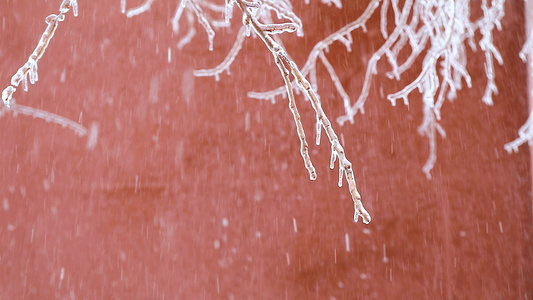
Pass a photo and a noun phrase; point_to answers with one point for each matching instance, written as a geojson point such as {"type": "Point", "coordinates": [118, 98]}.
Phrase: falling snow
{"type": "Point", "coordinates": [167, 178]}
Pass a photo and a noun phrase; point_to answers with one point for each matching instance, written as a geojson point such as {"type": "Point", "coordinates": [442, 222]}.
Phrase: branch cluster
{"type": "Point", "coordinates": [436, 31]}
{"type": "Point", "coordinates": [258, 18]}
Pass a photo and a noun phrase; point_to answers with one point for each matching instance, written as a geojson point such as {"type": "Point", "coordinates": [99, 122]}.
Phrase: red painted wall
{"type": "Point", "coordinates": [181, 199]}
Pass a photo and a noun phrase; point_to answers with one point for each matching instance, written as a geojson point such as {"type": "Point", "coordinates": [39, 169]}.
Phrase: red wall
{"type": "Point", "coordinates": [143, 214]}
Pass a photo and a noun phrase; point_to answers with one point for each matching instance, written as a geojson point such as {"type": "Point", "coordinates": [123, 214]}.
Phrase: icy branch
{"type": "Point", "coordinates": [288, 67]}
{"type": "Point", "coordinates": [337, 3]}
{"type": "Point", "coordinates": [227, 61]}
{"type": "Point", "coordinates": [48, 117]}
{"type": "Point", "coordinates": [525, 134]}
{"type": "Point", "coordinates": [203, 21]}
{"type": "Point", "coordinates": [200, 9]}
{"type": "Point", "coordinates": [304, 147]}
{"type": "Point", "coordinates": [139, 10]}
{"type": "Point", "coordinates": [527, 48]}
{"type": "Point", "coordinates": [29, 71]}
{"type": "Point", "coordinates": [284, 10]}
{"type": "Point", "coordinates": [491, 19]}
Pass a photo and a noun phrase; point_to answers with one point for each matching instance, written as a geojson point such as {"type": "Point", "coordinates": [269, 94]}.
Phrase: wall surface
{"type": "Point", "coordinates": [195, 191]}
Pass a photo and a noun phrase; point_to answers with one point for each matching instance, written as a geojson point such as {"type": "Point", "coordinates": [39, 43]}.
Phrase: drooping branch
{"type": "Point", "coordinates": [29, 69]}
{"type": "Point", "coordinates": [525, 133]}
{"type": "Point", "coordinates": [29, 72]}
{"type": "Point", "coordinates": [48, 117]}
{"type": "Point", "coordinates": [138, 10]}
{"type": "Point", "coordinates": [215, 72]}
{"type": "Point", "coordinates": [285, 64]}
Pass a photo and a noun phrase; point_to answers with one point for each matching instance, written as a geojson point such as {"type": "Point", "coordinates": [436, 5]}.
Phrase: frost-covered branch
{"type": "Point", "coordinates": [525, 133]}
{"type": "Point", "coordinates": [47, 116]}
{"type": "Point", "coordinates": [442, 29]}
{"type": "Point", "coordinates": [224, 66]}
{"type": "Point", "coordinates": [491, 19]}
{"type": "Point", "coordinates": [527, 49]}
{"type": "Point", "coordinates": [29, 69]}
{"type": "Point", "coordinates": [286, 67]}
{"type": "Point", "coordinates": [138, 10]}
{"type": "Point", "coordinates": [192, 8]}
{"type": "Point", "coordinates": [29, 72]}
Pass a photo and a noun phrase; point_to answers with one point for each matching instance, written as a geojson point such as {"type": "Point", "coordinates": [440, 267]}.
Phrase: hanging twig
{"type": "Point", "coordinates": [285, 64]}
{"type": "Point", "coordinates": [29, 72]}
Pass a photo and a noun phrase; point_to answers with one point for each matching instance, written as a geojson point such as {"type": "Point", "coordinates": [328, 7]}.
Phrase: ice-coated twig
{"type": "Point", "coordinates": [304, 147]}
{"type": "Point", "coordinates": [525, 134]}
{"type": "Point", "coordinates": [215, 72]}
{"type": "Point", "coordinates": [491, 18]}
{"type": "Point", "coordinates": [203, 21]}
{"type": "Point", "coordinates": [177, 16]}
{"type": "Point", "coordinates": [187, 38]}
{"type": "Point", "coordinates": [284, 10]}
{"type": "Point", "coordinates": [351, 111]}
{"type": "Point", "coordinates": [337, 3]}
{"type": "Point", "coordinates": [194, 8]}
{"type": "Point", "coordinates": [200, 9]}
{"type": "Point", "coordinates": [29, 71]}
{"type": "Point", "coordinates": [527, 48]}
{"type": "Point", "coordinates": [48, 117]}
{"type": "Point", "coordinates": [286, 65]}
{"type": "Point", "coordinates": [334, 77]}
{"type": "Point", "coordinates": [430, 125]}
{"type": "Point", "coordinates": [140, 9]}
{"type": "Point", "coordinates": [383, 25]}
